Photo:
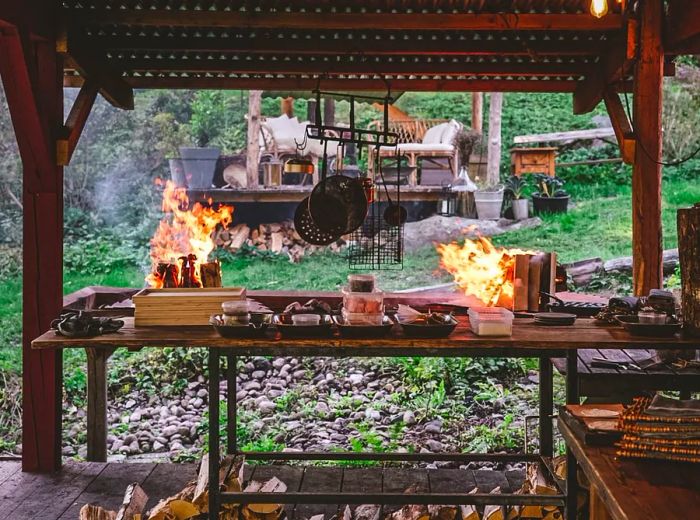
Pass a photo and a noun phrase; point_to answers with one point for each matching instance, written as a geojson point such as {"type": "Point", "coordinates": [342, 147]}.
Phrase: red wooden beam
{"type": "Point", "coordinates": [621, 125]}
{"type": "Point", "coordinates": [311, 83]}
{"type": "Point", "coordinates": [346, 21]}
{"type": "Point", "coordinates": [31, 73]}
{"type": "Point", "coordinates": [647, 244]}
{"type": "Point", "coordinates": [73, 128]}
{"type": "Point", "coordinates": [682, 31]}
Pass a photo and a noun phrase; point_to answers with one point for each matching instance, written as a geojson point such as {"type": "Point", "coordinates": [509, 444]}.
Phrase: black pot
{"type": "Point", "coordinates": [550, 204]}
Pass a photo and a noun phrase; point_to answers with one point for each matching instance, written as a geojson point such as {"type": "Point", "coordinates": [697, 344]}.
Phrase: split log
{"type": "Point", "coordinates": [230, 479]}
{"type": "Point", "coordinates": [239, 235]}
{"type": "Point", "coordinates": [442, 512]}
{"type": "Point", "coordinates": [210, 274]}
{"type": "Point", "coordinates": [92, 512]}
{"type": "Point", "coordinates": [494, 512]}
{"type": "Point", "coordinates": [362, 512]}
{"type": "Point", "coordinates": [264, 511]}
{"type": "Point", "coordinates": [134, 501]}
{"type": "Point", "coordinates": [689, 247]}
{"type": "Point", "coordinates": [277, 239]}
{"type": "Point", "coordinates": [410, 512]}
{"type": "Point", "coordinates": [469, 512]}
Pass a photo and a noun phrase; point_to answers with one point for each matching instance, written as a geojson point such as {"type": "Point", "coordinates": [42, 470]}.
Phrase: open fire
{"type": "Point", "coordinates": [482, 270]}
{"type": "Point", "coordinates": [181, 245]}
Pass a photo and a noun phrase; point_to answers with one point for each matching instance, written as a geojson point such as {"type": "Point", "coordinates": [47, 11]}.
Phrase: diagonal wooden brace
{"type": "Point", "coordinates": [621, 125]}
{"type": "Point", "coordinates": [73, 128]}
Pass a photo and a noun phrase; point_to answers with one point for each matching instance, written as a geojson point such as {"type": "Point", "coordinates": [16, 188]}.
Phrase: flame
{"type": "Point", "coordinates": [481, 269]}
{"type": "Point", "coordinates": [183, 231]}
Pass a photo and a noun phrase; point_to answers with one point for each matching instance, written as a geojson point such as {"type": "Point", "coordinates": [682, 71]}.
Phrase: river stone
{"type": "Point", "coordinates": [409, 418]}
{"type": "Point", "coordinates": [433, 427]}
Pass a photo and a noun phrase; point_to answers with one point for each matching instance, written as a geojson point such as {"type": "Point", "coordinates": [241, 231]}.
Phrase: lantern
{"type": "Point", "coordinates": [447, 202]}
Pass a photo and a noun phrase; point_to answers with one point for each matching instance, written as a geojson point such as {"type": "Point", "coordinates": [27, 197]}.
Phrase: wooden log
{"type": "Point", "coordinates": [647, 243]}
{"type": "Point", "coordinates": [468, 511]}
{"type": "Point", "coordinates": [135, 499]}
{"type": "Point", "coordinates": [239, 235]}
{"type": "Point", "coordinates": [442, 512]}
{"type": "Point", "coordinates": [494, 512]}
{"type": "Point", "coordinates": [533, 288]}
{"type": "Point", "coordinates": [477, 111]}
{"type": "Point", "coordinates": [689, 254]}
{"type": "Point", "coordinates": [230, 476]}
{"type": "Point", "coordinates": [494, 144]}
{"type": "Point", "coordinates": [92, 512]}
{"type": "Point", "coordinates": [625, 264]}
{"type": "Point", "coordinates": [276, 242]}
{"type": "Point", "coordinates": [253, 141]}
{"type": "Point", "coordinates": [210, 274]}
{"type": "Point", "coordinates": [521, 282]}
{"type": "Point", "coordinates": [582, 271]}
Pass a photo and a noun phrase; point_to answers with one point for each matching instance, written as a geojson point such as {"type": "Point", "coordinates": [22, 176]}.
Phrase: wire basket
{"type": "Point", "coordinates": [378, 243]}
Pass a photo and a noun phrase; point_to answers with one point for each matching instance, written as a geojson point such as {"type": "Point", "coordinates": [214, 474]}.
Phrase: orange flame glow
{"type": "Point", "coordinates": [481, 269]}
{"type": "Point", "coordinates": [184, 230]}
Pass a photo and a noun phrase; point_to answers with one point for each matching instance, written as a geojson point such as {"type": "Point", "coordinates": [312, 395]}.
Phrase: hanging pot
{"type": "Point", "coordinates": [299, 165]}
{"type": "Point", "coordinates": [338, 204]}
{"type": "Point", "coordinates": [307, 228]}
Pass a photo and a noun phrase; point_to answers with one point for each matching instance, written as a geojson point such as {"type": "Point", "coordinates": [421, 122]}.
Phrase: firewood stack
{"type": "Point", "coordinates": [193, 500]}
{"type": "Point", "coordinates": [279, 238]}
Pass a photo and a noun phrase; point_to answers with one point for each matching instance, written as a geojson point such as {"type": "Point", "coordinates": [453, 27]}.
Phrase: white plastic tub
{"type": "Point", "coordinates": [491, 321]}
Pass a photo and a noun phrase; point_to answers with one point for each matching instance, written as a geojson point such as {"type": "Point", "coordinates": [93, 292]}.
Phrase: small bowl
{"type": "Point", "coordinates": [238, 331]}
{"type": "Point", "coordinates": [261, 317]}
{"type": "Point", "coordinates": [423, 328]}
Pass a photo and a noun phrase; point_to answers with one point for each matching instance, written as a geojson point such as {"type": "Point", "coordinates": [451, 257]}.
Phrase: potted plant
{"type": "Point", "coordinates": [516, 186]}
{"type": "Point", "coordinates": [173, 135]}
{"type": "Point", "coordinates": [550, 197]}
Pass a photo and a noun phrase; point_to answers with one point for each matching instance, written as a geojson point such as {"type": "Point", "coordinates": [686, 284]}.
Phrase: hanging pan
{"type": "Point", "coordinates": [307, 228]}
{"type": "Point", "coordinates": [338, 204]}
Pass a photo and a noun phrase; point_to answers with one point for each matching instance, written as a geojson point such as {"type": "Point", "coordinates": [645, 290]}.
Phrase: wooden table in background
{"type": "Point", "coordinates": [624, 489]}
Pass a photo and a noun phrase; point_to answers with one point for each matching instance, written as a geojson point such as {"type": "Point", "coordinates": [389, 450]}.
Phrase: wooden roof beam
{"type": "Point", "coordinates": [311, 83]}
{"type": "Point", "coordinates": [682, 31]}
{"type": "Point", "coordinates": [384, 46]}
{"type": "Point", "coordinates": [335, 67]}
{"type": "Point", "coordinates": [92, 67]}
{"type": "Point", "coordinates": [346, 21]}
{"type": "Point", "coordinates": [73, 128]}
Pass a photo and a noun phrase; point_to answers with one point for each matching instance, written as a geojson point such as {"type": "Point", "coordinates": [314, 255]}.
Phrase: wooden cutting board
{"type": "Point", "coordinates": [181, 307]}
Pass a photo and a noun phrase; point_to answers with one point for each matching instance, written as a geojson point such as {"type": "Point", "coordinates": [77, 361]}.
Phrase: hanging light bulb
{"type": "Point", "coordinates": [599, 8]}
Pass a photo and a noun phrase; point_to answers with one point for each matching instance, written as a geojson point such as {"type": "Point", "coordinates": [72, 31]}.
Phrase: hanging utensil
{"type": "Point", "coordinates": [307, 228]}
{"type": "Point", "coordinates": [394, 214]}
{"type": "Point", "coordinates": [299, 163]}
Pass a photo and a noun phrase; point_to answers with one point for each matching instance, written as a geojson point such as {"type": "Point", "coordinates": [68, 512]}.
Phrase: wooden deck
{"type": "Point", "coordinates": [602, 382]}
{"type": "Point", "coordinates": [25, 496]}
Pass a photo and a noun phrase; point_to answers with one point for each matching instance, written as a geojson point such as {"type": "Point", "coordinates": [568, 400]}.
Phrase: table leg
{"type": "Point", "coordinates": [97, 403]}
{"type": "Point", "coordinates": [546, 407]}
{"type": "Point", "coordinates": [232, 403]}
{"type": "Point", "coordinates": [596, 507]}
{"type": "Point", "coordinates": [214, 498]}
{"type": "Point", "coordinates": [571, 465]}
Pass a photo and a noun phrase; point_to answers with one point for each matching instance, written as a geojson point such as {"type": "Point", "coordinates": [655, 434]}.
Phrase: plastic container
{"type": "Point", "coordinates": [363, 302]}
{"type": "Point", "coordinates": [361, 282]}
{"type": "Point", "coordinates": [360, 318]}
{"type": "Point", "coordinates": [652, 317]}
{"type": "Point", "coordinates": [235, 307]}
{"type": "Point", "coordinates": [306, 320]}
{"type": "Point", "coordinates": [491, 321]}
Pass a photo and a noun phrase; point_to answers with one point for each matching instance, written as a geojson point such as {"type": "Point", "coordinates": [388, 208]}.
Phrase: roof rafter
{"type": "Point", "coordinates": [682, 33]}
{"type": "Point", "coordinates": [358, 21]}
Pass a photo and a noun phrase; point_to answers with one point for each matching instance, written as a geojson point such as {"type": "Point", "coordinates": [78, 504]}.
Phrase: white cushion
{"type": "Point", "coordinates": [450, 132]}
{"type": "Point", "coordinates": [434, 134]}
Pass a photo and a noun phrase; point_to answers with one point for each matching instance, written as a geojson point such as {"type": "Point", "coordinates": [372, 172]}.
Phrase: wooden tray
{"type": "Point", "coordinates": [186, 307]}
{"type": "Point", "coordinates": [586, 428]}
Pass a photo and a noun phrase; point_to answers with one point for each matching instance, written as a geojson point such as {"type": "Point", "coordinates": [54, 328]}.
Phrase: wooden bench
{"type": "Point", "coordinates": [635, 490]}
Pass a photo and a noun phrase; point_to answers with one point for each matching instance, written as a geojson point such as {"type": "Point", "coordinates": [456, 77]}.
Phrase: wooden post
{"type": "Point", "coordinates": [493, 165]}
{"type": "Point", "coordinates": [647, 245]}
{"type": "Point", "coordinates": [32, 77]}
{"type": "Point", "coordinates": [328, 111]}
{"type": "Point", "coordinates": [253, 144]}
{"type": "Point", "coordinates": [689, 256]}
{"type": "Point", "coordinates": [97, 403]}
{"type": "Point", "coordinates": [478, 111]}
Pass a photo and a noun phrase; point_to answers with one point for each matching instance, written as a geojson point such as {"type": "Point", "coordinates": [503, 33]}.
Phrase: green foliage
{"type": "Point", "coordinates": [502, 436]}
{"type": "Point", "coordinates": [516, 186]}
{"type": "Point", "coordinates": [548, 186]}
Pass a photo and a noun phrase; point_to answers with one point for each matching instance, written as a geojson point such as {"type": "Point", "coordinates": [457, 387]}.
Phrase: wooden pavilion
{"type": "Point", "coordinates": [112, 47]}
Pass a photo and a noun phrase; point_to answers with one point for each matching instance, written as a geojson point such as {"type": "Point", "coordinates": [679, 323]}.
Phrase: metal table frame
{"type": "Point", "coordinates": [567, 497]}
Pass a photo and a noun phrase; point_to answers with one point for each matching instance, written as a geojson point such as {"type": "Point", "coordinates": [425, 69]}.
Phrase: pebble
{"type": "Point", "coordinates": [409, 418]}
{"type": "Point", "coordinates": [434, 446]}
{"type": "Point", "coordinates": [322, 408]}
{"type": "Point", "coordinates": [356, 379]}
{"type": "Point", "coordinates": [433, 427]}
{"type": "Point", "coordinates": [372, 415]}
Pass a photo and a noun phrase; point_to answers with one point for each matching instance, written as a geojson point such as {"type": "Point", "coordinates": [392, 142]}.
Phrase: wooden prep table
{"type": "Point", "coordinates": [527, 340]}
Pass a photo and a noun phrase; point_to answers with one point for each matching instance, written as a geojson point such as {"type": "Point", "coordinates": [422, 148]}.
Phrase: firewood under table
{"type": "Point", "coordinates": [528, 340]}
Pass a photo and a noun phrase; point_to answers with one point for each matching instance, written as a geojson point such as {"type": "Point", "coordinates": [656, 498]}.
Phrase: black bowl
{"type": "Point", "coordinates": [631, 324]}
{"type": "Point", "coordinates": [424, 329]}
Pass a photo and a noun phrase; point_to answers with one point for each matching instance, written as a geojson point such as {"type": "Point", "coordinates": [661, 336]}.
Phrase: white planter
{"type": "Point", "coordinates": [521, 208]}
{"type": "Point", "coordinates": [488, 204]}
